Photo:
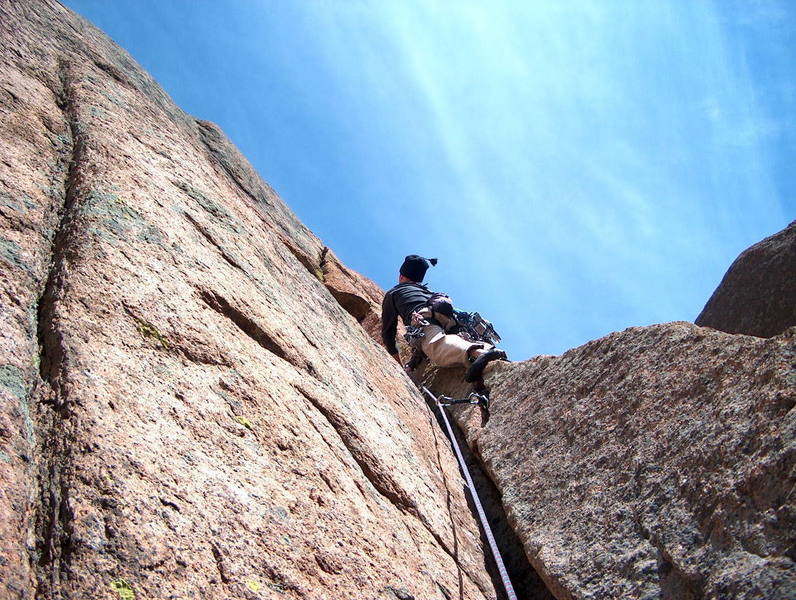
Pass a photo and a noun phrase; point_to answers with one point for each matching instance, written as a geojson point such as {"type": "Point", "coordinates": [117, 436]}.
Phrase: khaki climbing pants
{"type": "Point", "coordinates": [445, 349]}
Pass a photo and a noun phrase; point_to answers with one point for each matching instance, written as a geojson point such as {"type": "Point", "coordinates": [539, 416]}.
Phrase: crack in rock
{"type": "Point", "coordinates": [223, 307]}
{"type": "Point", "coordinates": [382, 482]}
{"type": "Point", "coordinates": [54, 519]}
{"type": "Point", "coordinates": [205, 233]}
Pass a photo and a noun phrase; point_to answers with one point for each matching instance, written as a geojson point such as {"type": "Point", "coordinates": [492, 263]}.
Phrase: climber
{"type": "Point", "coordinates": [429, 316]}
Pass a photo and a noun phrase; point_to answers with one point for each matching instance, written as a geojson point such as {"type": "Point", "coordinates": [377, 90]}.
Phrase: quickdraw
{"type": "Point", "coordinates": [473, 398]}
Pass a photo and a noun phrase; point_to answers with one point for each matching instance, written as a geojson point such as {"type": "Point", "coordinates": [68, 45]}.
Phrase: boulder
{"type": "Point", "coordinates": [186, 409]}
{"type": "Point", "coordinates": [657, 462]}
{"type": "Point", "coordinates": [757, 295]}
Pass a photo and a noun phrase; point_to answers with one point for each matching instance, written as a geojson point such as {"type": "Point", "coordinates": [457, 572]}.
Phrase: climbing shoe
{"type": "Point", "coordinates": [477, 368]}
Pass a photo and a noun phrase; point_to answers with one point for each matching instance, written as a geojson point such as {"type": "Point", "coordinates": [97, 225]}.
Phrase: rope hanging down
{"type": "Point", "coordinates": [474, 495]}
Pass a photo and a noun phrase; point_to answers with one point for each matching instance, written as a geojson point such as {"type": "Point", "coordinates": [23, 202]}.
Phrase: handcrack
{"type": "Point", "coordinates": [382, 483]}
{"type": "Point", "coordinates": [54, 519]}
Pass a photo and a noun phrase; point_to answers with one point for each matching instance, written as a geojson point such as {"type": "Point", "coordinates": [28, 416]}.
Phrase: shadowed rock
{"type": "Point", "coordinates": [757, 296]}
{"type": "Point", "coordinates": [359, 296]}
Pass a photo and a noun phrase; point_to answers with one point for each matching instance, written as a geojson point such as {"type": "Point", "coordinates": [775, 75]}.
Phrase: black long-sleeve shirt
{"type": "Point", "coordinates": [402, 300]}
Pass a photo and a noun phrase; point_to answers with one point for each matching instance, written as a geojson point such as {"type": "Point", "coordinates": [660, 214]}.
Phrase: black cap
{"type": "Point", "coordinates": [415, 267]}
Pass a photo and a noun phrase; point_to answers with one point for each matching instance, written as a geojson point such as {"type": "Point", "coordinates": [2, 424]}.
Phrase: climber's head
{"type": "Point", "coordinates": [414, 268]}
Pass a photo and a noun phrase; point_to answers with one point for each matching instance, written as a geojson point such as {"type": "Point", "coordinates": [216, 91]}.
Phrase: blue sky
{"type": "Point", "coordinates": [578, 167]}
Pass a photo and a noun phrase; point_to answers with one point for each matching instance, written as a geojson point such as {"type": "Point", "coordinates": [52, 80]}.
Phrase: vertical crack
{"type": "Point", "coordinates": [382, 481]}
{"type": "Point", "coordinates": [248, 326]}
{"type": "Point", "coordinates": [218, 556]}
{"type": "Point", "coordinates": [52, 353]}
{"type": "Point", "coordinates": [53, 529]}
{"type": "Point", "coordinates": [446, 485]}
{"type": "Point", "coordinates": [525, 579]}
{"type": "Point", "coordinates": [252, 329]}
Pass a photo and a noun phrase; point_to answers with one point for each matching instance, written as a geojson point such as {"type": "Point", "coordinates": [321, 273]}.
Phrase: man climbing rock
{"type": "Point", "coordinates": [429, 318]}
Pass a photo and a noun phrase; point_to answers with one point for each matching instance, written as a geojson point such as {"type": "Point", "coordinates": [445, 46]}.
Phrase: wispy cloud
{"type": "Point", "coordinates": [568, 160]}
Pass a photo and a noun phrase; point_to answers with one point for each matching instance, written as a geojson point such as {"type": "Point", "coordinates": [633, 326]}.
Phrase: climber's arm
{"type": "Point", "coordinates": [389, 326]}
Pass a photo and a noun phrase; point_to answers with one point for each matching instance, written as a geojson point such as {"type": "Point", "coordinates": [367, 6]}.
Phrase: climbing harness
{"type": "Point", "coordinates": [414, 336]}
{"type": "Point", "coordinates": [439, 310]}
{"type": "Point", "coordinates": [473, 494]}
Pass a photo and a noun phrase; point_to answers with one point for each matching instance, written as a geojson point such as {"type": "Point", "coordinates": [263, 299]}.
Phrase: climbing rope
{"type": "Point", "coordinates": [474, 495]}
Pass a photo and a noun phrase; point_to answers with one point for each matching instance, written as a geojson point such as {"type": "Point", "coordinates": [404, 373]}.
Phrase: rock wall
{"type": "Point", "coordinates": [757, 296]}
{"type": "Point", "coordinates": [187, 410]}
{"type": "Point", "coordinates": [658, 462]}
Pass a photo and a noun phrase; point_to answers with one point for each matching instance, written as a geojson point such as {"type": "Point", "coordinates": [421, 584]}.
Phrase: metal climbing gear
{"type": "Point", "coordinates": [414, 331]}
{"type": "Point", "coordinates": [474, 495]}
{"type": "Point", "coordinates": [476, 327]}
{"type": "Point", "coordinates": [414, 336]}
{"type": "Point", "coordinates": [473, 398]}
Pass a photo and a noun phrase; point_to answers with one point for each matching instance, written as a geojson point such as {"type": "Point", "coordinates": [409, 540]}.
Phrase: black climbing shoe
{"type": "Point", "coordinates": [477, 368]}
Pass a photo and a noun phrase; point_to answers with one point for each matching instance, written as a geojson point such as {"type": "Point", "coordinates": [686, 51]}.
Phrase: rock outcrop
{"type": "Point", "coordinates": [358, 295]}
{"type": "Point", "coordinates": [658, 462]}
{"type": "Point", "coordinates": [187, 410]}
{"type": "Point", "coordinates": [757, 295]}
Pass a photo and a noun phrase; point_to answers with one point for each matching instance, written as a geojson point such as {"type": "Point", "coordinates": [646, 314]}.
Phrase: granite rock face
{"type": "Point", "coordinates": [757, 295]}
{"type": "Point", "coordinates": [193, 402]}
{"type": "Point", "coordinates": [187, 410]}
{"type": "Point", "coordinates": [658, 462]}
